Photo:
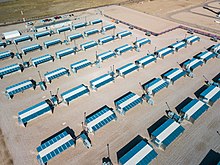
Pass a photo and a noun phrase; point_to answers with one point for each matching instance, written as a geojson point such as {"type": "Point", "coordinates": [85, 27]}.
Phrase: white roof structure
{"type": "Point", "coordinates": [11, 34]}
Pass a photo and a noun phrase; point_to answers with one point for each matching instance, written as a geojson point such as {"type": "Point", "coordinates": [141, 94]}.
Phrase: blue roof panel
{"type": "Point", "coordinates": [131, 153]}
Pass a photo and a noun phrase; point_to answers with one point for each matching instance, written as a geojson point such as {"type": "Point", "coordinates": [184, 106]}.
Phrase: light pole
{"type": "Point", "coordinates": [108, 151]}
{"type": "Point", "coordinates": [168, 106]}
{"type": "Point", "coordinates": [17, 54]}
{"type": "Point", "coordinates": [84, 116]}
{"type": "Point", "coordinates": [85, 20]}
{"type": "Point", "coordinates": [65, 39]}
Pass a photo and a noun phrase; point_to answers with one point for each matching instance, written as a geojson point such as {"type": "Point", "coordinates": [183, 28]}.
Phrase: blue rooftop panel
{"type": "Point", "coordinates": [5, 54]}
{"type": "Point", "coordinates": [22, 38]}
{"type": "Point", "coordinates": [19, 87]}
{"type": "Point", "coordinates": [74, 93]}
{"type": "Point", "coordinates": [106, 39]}
{"type": "Point", "coordinates": [148, 154]}
{"type": "Point", "coordinates": [42, 34]}
{"type": "Point", "coordinates": [41, 59]}
{"type": "Point", "coordinates": [80, 65]}
{"type": "Point", "coordinates": [172, 136]}
{"type": "Point", "coordinates": [56, 74]}
{"type": "Point", "coordinates": [47, 155]}
{"type": "Point", "coordinates": [100, 118]}
{"type": "Point", "coordinates": [10, 69]}
{"type": "Point", "coordinates": [33, 112]}
{"type": "Point", "coordinates": [211, 94]}
{"type": "Point", "coordinates": [74, 36]}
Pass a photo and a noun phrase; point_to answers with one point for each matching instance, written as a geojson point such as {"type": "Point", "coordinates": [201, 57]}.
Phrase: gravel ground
{"type": "Point", "coordinates": [190, 148]}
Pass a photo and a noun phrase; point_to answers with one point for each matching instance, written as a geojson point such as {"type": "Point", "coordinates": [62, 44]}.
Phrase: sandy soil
{"type": "Point", "coordinates": [183, 12]}
{"type": "Point", "coordinates": [138, 18]}
{"type": "Point", "coordinates": [5, 156]}
{"type": "Point", "coordinates": [190, 148]}
{"type": "Point", "coordinates": [205, 19]}
{"type": "Point", "coordinates": [214, 4]}
{"type": "Point", "coordinates": [162, 7]}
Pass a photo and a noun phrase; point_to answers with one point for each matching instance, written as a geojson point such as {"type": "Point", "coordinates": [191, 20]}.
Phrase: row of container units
{"type": "Point", "coordinates": [13, 68]}
{"type": "Point", "coordinates": [122, 71]}
{"type": "Point", "coordinates": [68, 28]}
{"type": "Point", "coordinates": [80, 64]}
{"type": "Point", "coordinates": [151, 87]}
{"type": "Point", "coordinates": [47, 106]}
{"type": "Point", "coordinates": [161, 53]}
{"type": "Point", "coordinates": [126, 102]}
{"type": "Point", "coordinates": [138, 150]}
{"type": "Point", "coordinates": [122, 104]}
{"type": "Point", "coordinates": [163, 136]}
{"type": "Point", "coordinates": [157, 84]}
{"type": "Point", "coordinates": [18, 38]}
{"type": "Point", "coordinates": [203, 56]}
{"type": "Point", "coordinates": [47, 44]}
{"type": "Point", "coordinates": [194, 108]}
{"type": "Point", "coordinates": [141, 152]}
{"type": "Point", "coordinates": [94, 84]}
{"type": "Point", "coordinates": [198, 60]}
{"type": "Point", "coordinates": [83, 46]}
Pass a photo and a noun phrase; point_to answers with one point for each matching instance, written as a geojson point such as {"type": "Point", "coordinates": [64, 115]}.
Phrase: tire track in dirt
{"type": "Point", "coordinates": [5, 157]}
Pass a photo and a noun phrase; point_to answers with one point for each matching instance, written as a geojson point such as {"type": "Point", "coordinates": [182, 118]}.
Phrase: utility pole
{"type": "Point", "coordinates": [168, 106]}
{"type": "Point", "coordinates": [17, 54]}
{"type": "Point", "coordinates": [39, 75]}
{"type": "Point", "coordinates": [83, 126]}
{"type": "Point", "coordinates": [65, 39]}
{"type": "Point", "coordinates": [57, 91]}
{"type": "Point", "coordinates": [84, 116]}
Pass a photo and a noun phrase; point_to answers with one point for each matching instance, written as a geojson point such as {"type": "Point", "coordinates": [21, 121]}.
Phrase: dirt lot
{"type": "Point", "coordinates": [183, 12]}
{"type": "Point", "coordinates": [205, 19]}
{"type": "Point", "coordinates": [162, 7]}
{"type": "Point", "coordinates": [5, 156]}
{"type": "Point", "coordinates": [190, 148]}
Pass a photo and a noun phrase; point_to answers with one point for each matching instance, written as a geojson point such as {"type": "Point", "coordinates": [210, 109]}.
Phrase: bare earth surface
{"type": "Point", "coordinates": [189, 149]}
{"type": "Point", "coordinates": [5, 156]}
{"type": "Point", "coordinates": [205, 18]}
{"type": "Point", "coordinates": [140, 19]}
{"type": "Point", "coordinates": [182, 11]}
{"type": "Point", "coordinates": [162, 7]}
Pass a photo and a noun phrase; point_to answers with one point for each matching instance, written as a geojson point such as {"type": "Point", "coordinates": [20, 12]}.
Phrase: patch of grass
{"type": "Point", "coordinates": [11, 10]}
